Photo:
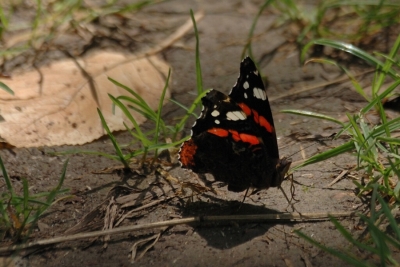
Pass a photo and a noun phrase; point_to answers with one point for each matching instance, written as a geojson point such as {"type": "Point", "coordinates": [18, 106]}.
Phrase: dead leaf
{"type": "Point", "coordinates": [61, 108]}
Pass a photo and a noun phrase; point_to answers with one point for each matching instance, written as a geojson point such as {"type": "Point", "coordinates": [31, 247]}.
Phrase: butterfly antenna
{"type": "Point", "coordinates": [292, 191]}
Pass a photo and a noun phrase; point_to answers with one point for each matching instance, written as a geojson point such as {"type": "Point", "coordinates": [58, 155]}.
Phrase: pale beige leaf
{"type": "Point", "coordinates": [61, 108]}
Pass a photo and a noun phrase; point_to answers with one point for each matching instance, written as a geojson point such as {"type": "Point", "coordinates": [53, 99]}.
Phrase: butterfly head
{"type": "Point", "coordinates": [281, 170]}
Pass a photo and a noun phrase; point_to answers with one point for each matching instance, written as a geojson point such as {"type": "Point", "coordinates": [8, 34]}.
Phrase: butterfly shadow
{"type": "Point", "coordinates": [231, 233]}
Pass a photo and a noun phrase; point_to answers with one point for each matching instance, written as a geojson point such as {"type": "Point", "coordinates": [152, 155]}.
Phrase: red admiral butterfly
{"type": "Point", "coordinates": [234, 138]}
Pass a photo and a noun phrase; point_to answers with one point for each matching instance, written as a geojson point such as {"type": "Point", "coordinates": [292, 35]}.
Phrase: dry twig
{"type": "Point", "coordinates": [227, 219]}
{"type": "Point", "coordinates": [340, 176]}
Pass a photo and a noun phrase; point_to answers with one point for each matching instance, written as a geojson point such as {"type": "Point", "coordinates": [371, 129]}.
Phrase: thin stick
{"type": "Point", "coordinates": [225, 219]}
{"type": "Point", "coordinates": [343, 173]}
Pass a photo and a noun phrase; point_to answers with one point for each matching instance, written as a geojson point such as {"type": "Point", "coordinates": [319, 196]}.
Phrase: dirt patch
{"type": "Point", "coordinates": [223, 33]}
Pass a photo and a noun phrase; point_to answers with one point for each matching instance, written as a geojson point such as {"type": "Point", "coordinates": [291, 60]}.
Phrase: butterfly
{"type": "Point", "coordinates": [234, 138]}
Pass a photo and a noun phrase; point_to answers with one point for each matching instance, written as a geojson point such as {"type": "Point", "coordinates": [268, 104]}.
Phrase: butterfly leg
{"type": "Point", "coordinates": [292, 190]}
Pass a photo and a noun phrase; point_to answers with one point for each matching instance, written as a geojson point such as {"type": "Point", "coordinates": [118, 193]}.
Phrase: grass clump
{"type": "Point", "coordinates": [19, 214]}
{"type": "Point", "coordinates": [352, 21]}
{"type": "Point", "coordinates": [151, 141]}
{"type": "Point", "coordinates": [376, 153]}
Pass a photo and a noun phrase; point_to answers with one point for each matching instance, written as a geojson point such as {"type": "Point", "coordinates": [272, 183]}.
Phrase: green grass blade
{"type": "Point", "coordinates": [326, 155]}
{"type": "Point", "coordinates": [183, 107]}
{"type": "Point", "coordinates": [63, 174]}
{"type": "Point", "coordinates": [390, 125]}
{"type": "Point", "coordinates": [390, 218]}
{"type": "Point", "coordinates": [32, 199]}
{"type": "Point", "coordinates": [343, 256]}
{"type": "Point", "coordinates": [160, 146]}
{"type": "Point", "coordinates": [5, 87]}
{"type": "Point", "coordinates": [357, 86]}
{"type": "Point", "coordinates": [350, 238]}
{"type": "Point", "coordinates": [396, 170]}
{"type": "Point", "coordinates": [142, 103]}
{"type": "Point", "coordinates": [4, 22]}
{"type": "Point", "coordinates": [138, 107]}
{"type": "Point", "coordinates": [113, 140]}
{"type": "Point", "coordinates": [50, 197]}
{"type": "Point", "coordinates": [366, 132]}
{"type": "Point", "coordinates": [38, 16]}
{"type": "Point", "coordinates": [379, 98]}
{"type": "Point", "coordinates": [55, 191]}
{"type": "Point", "coordinates": [135, 135]}
{"type": "Point", "coordinates": [179, 126]}
{"type": "Point", "coordinates": [159, 111]}
{"type": "Point", "coordinates": [382, 116]}
{"type": "Point", "coordinates": [141, 135]}
{"type": "Point", "coordinates": [311, 114]}
{"type": "Point", "coordinates": [357, 135]}
{"type": "Point", "coordinates": [349, 48]}
{"type": "Point", "coordinates": [163, 146]}
{"type": "Point", "coordinates": [4, 218]}
{"type": "Point", "coordinates": [25, 199]}
{"type": "Point", "coordinates": [199, 76]}
{"type": "Point", "coordinates": [386, 57]}
{"type": "Point", "coordinates": [387, 66]}
{"type": "Point", "coordinates": [7, 179]}
{"type": "Point", "coordinates": [378, 238]}
{"type": "Point", "coordinates": [248, 48]}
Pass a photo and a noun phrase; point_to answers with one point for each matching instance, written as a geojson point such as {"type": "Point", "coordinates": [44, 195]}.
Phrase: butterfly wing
{"type": "Point", "coordinates": [249, 93]}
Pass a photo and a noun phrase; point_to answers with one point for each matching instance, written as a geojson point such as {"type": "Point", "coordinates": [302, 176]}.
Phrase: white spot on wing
{"type": "Point", "coordinates": [246, 85]}
{"type": "Point", "coordinates": [236, 115]}
{"type": "Point", "coordinates": [245, 95]}
{"type": "Point", "coordinates": [217, 122]}
{"type": "Point", "coordinates": [215, 106]}
{"type": "Point", "coordinates": [259, 93]}
{"type": "Point", "coordinates": [256, 72]}
{"type": "Point", "coordinates": [256, 93]}
{"type": "Point", "coordinates": [215, 113]}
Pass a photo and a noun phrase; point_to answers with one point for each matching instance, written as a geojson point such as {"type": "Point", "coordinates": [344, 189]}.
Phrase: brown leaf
{"type": "Point", "coordinates": [61, 109]}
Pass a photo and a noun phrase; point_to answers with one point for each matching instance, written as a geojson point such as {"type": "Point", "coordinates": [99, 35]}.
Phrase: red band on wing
{"type": "Point", "coordinates": [188, 150]}
{"type": "Point", "coordinates": [255, 116]}
{"type": "Point", "coordinates": [264, 123]}
{"type": "Point", "coordinates": [236, 136]}
{"type": "Point", "coordinates": [248, 138]}
{"type": "Point", "coordinates": [218, 132]}
{"type": "Point", "coordinates": [245, 108]}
